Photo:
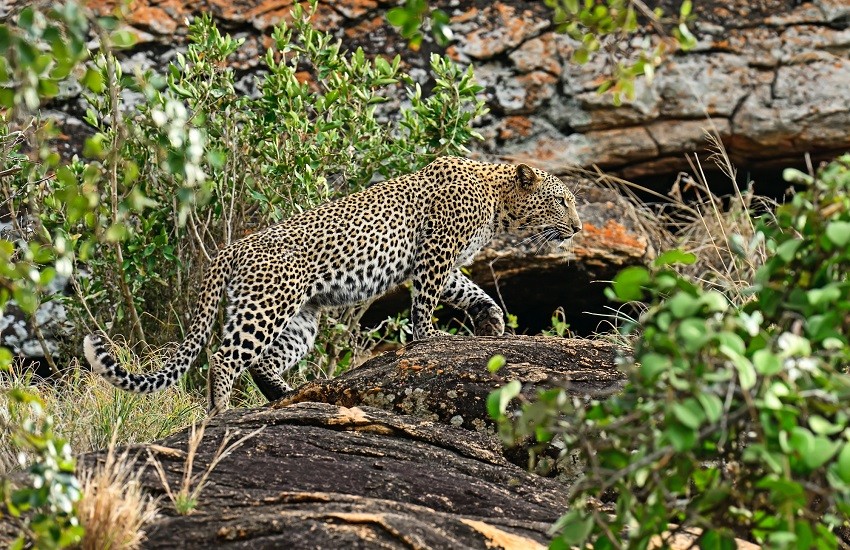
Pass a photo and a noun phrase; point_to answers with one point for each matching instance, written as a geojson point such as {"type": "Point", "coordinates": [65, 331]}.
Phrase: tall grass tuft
{"type": "Point", "coordinates": [114, 509]}
{"type": "Point", "coordinates": [89, 412]}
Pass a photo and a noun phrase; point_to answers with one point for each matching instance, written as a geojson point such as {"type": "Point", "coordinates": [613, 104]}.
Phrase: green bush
{"type": "Point", "coordinates": [735, 419]}
{"type": "Point", "coordinates": [161, 185]}
{"type": "Point", "coordinates": [198, 164]}
{"type": "Point", "coordinates": [36, 55]}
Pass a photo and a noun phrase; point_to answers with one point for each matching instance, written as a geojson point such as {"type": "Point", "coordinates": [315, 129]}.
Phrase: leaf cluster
{"type": "Point", "coordinates": [610, 27]}
{"type": "Point", "coordinates": [415, 15]}
{"type": "Point", "coordinates": [735, 419]}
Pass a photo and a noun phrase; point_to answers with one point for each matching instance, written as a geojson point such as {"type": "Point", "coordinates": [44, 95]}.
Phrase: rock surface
{"type": "Point", "coordinates": [771, 74]}
{"type": "Point", "coordinates": [329, 469]}
{"type": "Point", "coordinates": [323, 476]}
{"type": "Point", "coordinates": [447, 379]}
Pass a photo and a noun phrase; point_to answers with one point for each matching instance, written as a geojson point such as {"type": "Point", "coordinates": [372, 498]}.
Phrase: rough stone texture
{"type": "Point", "coordinates": [447, 379]}
{"type": "Point", "coordinates": [772, 74]}
{"type": "Point", "coordinates": [322, 476]}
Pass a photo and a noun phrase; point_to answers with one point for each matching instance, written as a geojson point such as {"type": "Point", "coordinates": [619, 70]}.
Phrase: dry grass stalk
{"type": "Point", "coordinates": [185, 498]}
{"type": "Point", "coordinates": [723, 236]}
{"type": "Point", "coordinates": [114, 508]}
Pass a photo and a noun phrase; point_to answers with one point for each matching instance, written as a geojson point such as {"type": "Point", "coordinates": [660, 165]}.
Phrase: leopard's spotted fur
{"type": "Point", "coordinates": [422, 226]}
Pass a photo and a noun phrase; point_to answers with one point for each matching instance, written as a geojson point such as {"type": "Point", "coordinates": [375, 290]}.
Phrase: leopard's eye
{"type": "Point", "coordinates": [564, 201]}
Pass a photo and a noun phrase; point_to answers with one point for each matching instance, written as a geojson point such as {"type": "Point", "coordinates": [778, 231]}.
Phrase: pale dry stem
{"type": "Point", "coordinates": [185, 498]}
{"type": "Point", "coordinates": [114, 508]}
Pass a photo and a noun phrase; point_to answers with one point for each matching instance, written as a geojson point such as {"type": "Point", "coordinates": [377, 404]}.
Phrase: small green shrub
{"type": "Point", "coordinates": [199, 164]}
{"type": "Point", "coordinates": [44, 509]}
{"type": "Point", "coordinates": [735, 418]}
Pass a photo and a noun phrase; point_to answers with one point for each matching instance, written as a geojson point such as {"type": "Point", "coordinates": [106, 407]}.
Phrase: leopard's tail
{"type": "Point", "coordinates": [212, 289]}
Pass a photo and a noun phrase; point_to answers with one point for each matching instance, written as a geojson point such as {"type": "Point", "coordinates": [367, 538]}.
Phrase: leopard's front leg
{"type": "Point", "coordinates": [460, 292]}
{"type": "Point", "coordinates": [431, 269]}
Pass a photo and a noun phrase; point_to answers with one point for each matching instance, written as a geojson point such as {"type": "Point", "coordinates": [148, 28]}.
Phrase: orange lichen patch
{"type": "Point", "coordinates": [514, 127]}
{"type": "Point", "coordinates": [152, 18]}
{"type": "Point", "coordinates": [465, 16]}
{"type": "Point", "coordinates": [537, 53]}
{"type": "Point", "coordinates": [303, 77]}
{"type": "Point", "coordinates": [612, 235]}
{"type": "Point", "coordinates": [404, 364]}
{"type": "Point", "coordinates": [364, 28]}
{"type": "Point", "coordinates": [503, 29]}
{"type": "Point", "coordinates": [453, 53]}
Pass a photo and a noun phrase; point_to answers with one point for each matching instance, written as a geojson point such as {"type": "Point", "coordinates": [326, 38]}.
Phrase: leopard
{"type": "Point", "coordinates": [422, 227]}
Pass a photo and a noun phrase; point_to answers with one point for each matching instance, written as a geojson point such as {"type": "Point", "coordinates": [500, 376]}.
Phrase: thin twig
{"type": "Point", "coordinates": [114, 154]}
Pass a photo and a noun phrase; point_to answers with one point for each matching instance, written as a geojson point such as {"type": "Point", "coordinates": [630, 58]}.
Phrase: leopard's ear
{"type": "Point", "coordinates": [526, 177]}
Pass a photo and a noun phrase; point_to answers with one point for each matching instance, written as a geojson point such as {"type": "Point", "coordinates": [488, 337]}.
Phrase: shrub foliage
{"type": "Point", "coordinates": [735, 419]}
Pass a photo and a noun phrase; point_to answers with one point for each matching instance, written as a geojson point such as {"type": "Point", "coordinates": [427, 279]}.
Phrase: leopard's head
{"type": "Point", "coordinates": [543, 203]}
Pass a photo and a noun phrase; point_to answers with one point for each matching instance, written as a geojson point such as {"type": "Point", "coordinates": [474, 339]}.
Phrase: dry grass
{"type": "Point", "coordinates": [89, 412]}
{"type": "Point", "coordinates": [113, 508]}
{"type": "Point", "coordinates": [185, 497]}
{"type": "Point", "coordinates": [719, 230]}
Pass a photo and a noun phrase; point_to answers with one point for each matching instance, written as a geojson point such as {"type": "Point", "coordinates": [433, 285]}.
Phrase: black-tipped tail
{"type": "Point", "coordinates": [104, 364]}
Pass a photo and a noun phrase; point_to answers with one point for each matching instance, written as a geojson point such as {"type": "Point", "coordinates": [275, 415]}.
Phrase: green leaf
{"type": "Point", "coordinates": [675, 256]}
{"type": "Point", "coordinates": [398, 16]}
{"type": "Point", "coordinates": [792, 175]}
{"type": "Point", "coordinates": [683, 305]}
{"type": "Point", "coordinates": [842, 464]}
{"type": "Point", "coordinates": [821, 452]}
{"type": "Point", "coordinates": [787, 250]}
{"type": "Point", "coordinates": [838, 232]}
{"type": "Point", "coordinates": [93, 80]}
{"type": "Point", "coordinates": [653, 364]}
{"type": "Point", "coordinates": [746, 372]}
{"type": "Point", "coordinates": [802, 441]}
{"type": "Point", "coordinates": [629, 282]}
{"type": "Point", "coordinates": [123, 39]}
{"type": "Point", "coordinates": [689, 413]}
{"type": "Point", "coordinates": [26, 300]}
{"type": "Point", "coordinates": [692, 333]}
{"type": "Point", "coordinates": [714, 301]}
{"type": "Point", "coordinates": [574, 528]}
{"type": "Point", "coordinates": [496, 362]}
{"type": "Point", "coordinates": [766, 362]}
{"type": "Point", "coordinates": [714, 539]}
{"type": "Point", "coordinates": [712, 405]}
{"type": "Point", "coordinates": [498, 400]}
{"type": "Point", "coordinates": [681, 437]}
{"type": "Point", "coordinates": [117, 232]}
{"type": "Point", "coordinates": [685, 9]}
{"type": "Point", "coordinates": [581, 56]}
{"type": "Point", "coordinates": [822, 426]}
{"type": "Point", "coordinates": [5, 358]}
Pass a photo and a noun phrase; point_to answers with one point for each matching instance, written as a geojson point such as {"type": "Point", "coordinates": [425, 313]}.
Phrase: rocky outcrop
{"type": "Point", "coordinates": [326, 468]}
{"type": "Point", "coordinates": [770, 74]}
{"type": "Point", "coordinates": [447, 379]}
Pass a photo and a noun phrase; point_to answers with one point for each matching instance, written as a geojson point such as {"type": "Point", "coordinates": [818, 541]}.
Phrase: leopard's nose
{"type": "Point", "coordinates": [576, 227]}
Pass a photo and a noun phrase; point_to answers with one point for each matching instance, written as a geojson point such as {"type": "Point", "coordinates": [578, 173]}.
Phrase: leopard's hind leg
{"type": "Point", "coordinates": [257, 317]}
{"type": "Point", "coordinates": [292, 345]}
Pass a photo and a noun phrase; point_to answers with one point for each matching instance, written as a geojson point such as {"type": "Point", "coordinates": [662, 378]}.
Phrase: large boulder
{"type": "Point", "coordinates": [447, 379]}
{"type": "Point", "coordinates": [324, 476]}
{"type": "Point", "coordinates": [769, 73]}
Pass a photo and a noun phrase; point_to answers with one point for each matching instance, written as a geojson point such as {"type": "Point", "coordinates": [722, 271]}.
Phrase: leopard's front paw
{"type": "Point", "coordinates": [490, 322]}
